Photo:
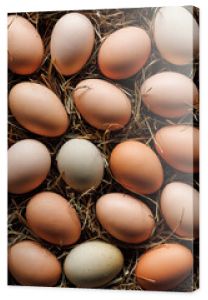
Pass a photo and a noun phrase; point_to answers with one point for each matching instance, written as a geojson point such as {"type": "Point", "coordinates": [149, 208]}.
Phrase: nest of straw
{"type": "Point", "coordinates": [142, 127]}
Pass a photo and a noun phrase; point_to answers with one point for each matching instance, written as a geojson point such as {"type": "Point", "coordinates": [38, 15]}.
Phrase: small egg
{"type": "Point", "coordinates": [176, 34]}
{"type": "Point", "coordinates": [32, 265]}
{"type": "Point", "coordinates": [93, 264]}
{"type": "Point", "coordinates": [178, 145]}
{"type": "Point", "coordinates": [164, 267]}
{"type": "Point", "coordinates": [72, 42]}
{"type": "Point", "coordinates": [29, 162]}
{"type": "Point", "coordinates": [51, 217]}
{"type": "Point", "coordinates": [25, 46]}
{"type": "Point", "coordinates": [102, 104]}
{"type": "Point", "coordinates": [80, 164]}
{"type": "Point", "coordinates": [136, 167]}
{"type": "Point", "coordinates": [124, 52]}
{"type": "Point", "coordinates": [169, 94]}
{"type": "Point", "coordinates": [125, 217]}
{"type": "Point", "coordinates": [38, 109]}
{"type": "Point", "coordinates": [179, 205]}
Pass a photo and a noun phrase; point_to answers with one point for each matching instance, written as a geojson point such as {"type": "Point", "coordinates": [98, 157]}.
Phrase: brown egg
{"type": "Point", "coordinates": [72, 42]}
{"type": "Point", "coordinates": [179, 205]}
{"type": "Point", "coordinates": [25, 47]}
{"type": "Point", "coordinates": [38, 109]}
{"type": "Point", "coordinates": [176, 34]}
{"type": "Point", "coordinates": [136, 167]}
{"type": "Point", "coordinates": [164, 267]}
{"type": "Point", "coordinates": [125, 217]}
{"type": "Point", "coordinates": [124, 52]}
{"type": "Point", "coordinates": [31, 264]}
{"type": "Point", "coordinates": [51, 217]}
{"type": "Point", "coordinates": [29, 162]}
{"type": "Point", "coordinates": [102, 104]}
{"type": "Point", "coordinates": [169, 94]}
{"type": "Point", "coordinates": [178, 145]}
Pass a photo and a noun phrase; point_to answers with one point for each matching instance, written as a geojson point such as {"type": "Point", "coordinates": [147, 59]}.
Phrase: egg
{"type": "Point", "coordinates": [31, 264]}
{"type": "Point", "coordinates": [164, 267]}
{"type": "Point", "coordinates": [125, 217]}
{"type": "Point", "coordinates": [124, 52]}
{"type": "Point", "coordinates": [169, 94]}
{"type": "Point", "coordinates": [93, 264]}
{"type": "Point", "coordinates": [179, 205]}
{"type": "Point", "coordinates": [38, 109]}
{"type": "Point", "coordinates": [102, 104]}
{"type": "Point", "coordinates": [25, 46]}
{"type": "Point", "coordinates": [80, 164]}
{"type": "Point", "coordinates": [72, 42]}
{"type": "Point", "coordinates": [178, 145]}
{"type": "Point", "coordinates": [136, 167]}
{"type": "Point", "coordinates": [29, 162]}
{"type": "Point", "coordinates": [176, 34]}
{"type": "Point", "coordinates": [51, 217]}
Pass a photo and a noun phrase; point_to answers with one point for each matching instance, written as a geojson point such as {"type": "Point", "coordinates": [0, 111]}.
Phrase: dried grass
{"type": "Point", "coordinates": [142, 127]}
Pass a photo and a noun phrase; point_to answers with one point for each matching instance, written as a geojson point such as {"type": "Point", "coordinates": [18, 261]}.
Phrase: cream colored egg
{"type": "Point", "coordinates": [176, 34]}
{"type": "Point", "coordinates": [93, 264]}
{"type": "Point", "coordinates": [81, 164]}
{"type": "Point", "coordinates": [29, 162]}
{"type": "Point", "coordinates": [72, 41]}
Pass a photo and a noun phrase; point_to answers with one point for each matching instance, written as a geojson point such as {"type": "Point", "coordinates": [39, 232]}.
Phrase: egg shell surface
{"type": "Point", "coordinates": [102, 104]}
{"type": "Point", "coordinates": [52, 218]}
{"type": "Point", "coordinates": [25, 46]}
{"type": "Point", "coordinates": [32, 265]}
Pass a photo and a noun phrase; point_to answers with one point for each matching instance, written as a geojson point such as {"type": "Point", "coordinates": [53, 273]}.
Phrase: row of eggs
{"type": "Point", "coordinates": [96, 263]}
{"type": "Point", "coordinates": [102, 104]}
{"type": "Point", "coordinates": [175, 33]}
{"type": "Point", "coordinates": [133, 164]}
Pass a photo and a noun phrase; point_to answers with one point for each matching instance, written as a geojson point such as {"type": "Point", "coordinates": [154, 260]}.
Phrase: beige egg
{"type": "Point", "coordinates": [178, 145]}
{"type": "Point", "coordinates": [32, 265]}
{"type": "Point", "coordinates": [102, 104]}
{"type": "Point", "coordinates": [124, 52]}
{"type": "Point", "coordinates": [29, 162]}
{"type": "Point", "coordinates": [125, 217]}
{"type": "Point", "coordinates": [170, 94]}
{"type": "Point", "coordinates": [93, 264]}
{"type": "Point", "coordinates": [179, 205]}
{"type": "Point", "coordinates": [136, 167]}
{"type": "Point", "coordinates": [164, 267]}
{"type": "Point", "coordinates": [53, 219]}
{"type": "Point", "coordinates": [80, 164]}
{"type": "Point", "coordinates": [38, 109]}
{"type": "Point", "coordinates": [72, 42]}
{"type": "Point", "coordinates": [25, 47]}
{"type": "Point", "coordinates": [176, 34]}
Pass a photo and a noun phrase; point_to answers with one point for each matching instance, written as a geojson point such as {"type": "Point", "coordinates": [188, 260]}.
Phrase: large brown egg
{"type": "Point", "coordinates": [176, 34]}
{"type": "Point", "coordinates": [38, 109]}
{"type": "Point", "coordinates": [124, 52]}
{"type": "Point", "coordinates": [169, 94]}
{"type": "Point", "coordinates": [31, 264]}
{"type": "Point", "coordinates": [51, 217]}
{"type": "Point", "coordinates": [179, 205]}
{"type": "Point", "coordinates": [72, 41]}
{"type": "Point", "coordinates": [25, 47]}
{"type": "Point", "coordinates": [125, 217]}
{"type": "Point", "coordinates": [136, 167]}
{"type": "Point", "coordinates": [164, 267]}
{"type": "Point", "coordinates": [178, 145]}
{"type": "Point", "coordinates": [102, 104]}
{"type": "Point", "coordinates": [29, 162]}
